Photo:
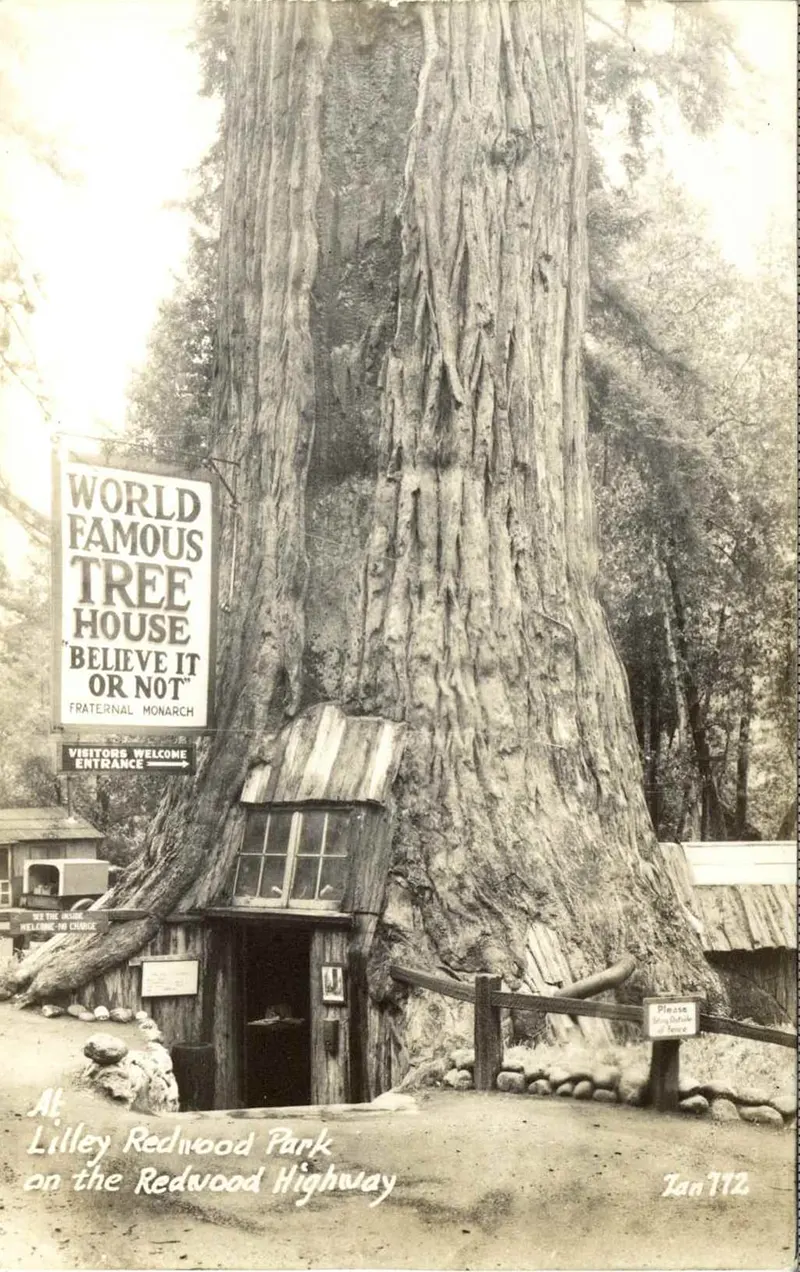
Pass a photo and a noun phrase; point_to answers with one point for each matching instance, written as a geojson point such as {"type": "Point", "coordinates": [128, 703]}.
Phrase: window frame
{"type": "Point", "coordinates": [286, 901]}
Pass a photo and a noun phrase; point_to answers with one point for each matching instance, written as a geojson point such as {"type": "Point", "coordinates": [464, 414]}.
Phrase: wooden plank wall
{"type": "Point", "coordinates": [210, 1016]}
{"type": "Point", "coordinates": [330, 1074]}
{"type": "Point", "coordinates": [371, 1045]}
{"type": "Point", "coordinates": [180, 1019]}
{"type": "Point", "coordinates": [370, 846]}
{"type": "Point", "coordinates": [222, 1011]}
{"type": "Point", "coordinates": [772, 971]}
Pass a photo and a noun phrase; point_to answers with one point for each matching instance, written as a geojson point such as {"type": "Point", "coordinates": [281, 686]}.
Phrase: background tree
{"type": "Point", "coordinates": [691, 446]}
{"type": "Point", "coordinates": [403, 282]}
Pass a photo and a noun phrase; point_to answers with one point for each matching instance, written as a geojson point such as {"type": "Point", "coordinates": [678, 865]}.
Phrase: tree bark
{"type": "Point", "coordinates": [403, 290]}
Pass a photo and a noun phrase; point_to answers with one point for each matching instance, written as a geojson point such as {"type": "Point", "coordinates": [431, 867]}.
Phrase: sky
{"type": "Point", "coordinates": [116, 85]}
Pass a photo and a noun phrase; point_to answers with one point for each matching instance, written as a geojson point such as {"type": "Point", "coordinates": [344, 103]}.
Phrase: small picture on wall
{"type": "Point", "coordinates": [333, 983]}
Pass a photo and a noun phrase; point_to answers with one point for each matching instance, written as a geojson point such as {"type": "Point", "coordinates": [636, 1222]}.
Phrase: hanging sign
{"type": "Point", "coordinates": [177, 759]}
{"type": "Point", "coordinates": [133, 581]}
{"type": "Point", "coordinates": [53, 922]}
{"type": "Point", "coordinates": [672, 1016]}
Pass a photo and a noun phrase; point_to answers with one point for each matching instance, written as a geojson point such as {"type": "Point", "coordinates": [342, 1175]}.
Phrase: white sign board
{"type": "Point", "coordinates": [133, 579]}
{"type": "Point", "coordinates": [672, 1016]}
{"type": "Point", "coordinates": [169, 978]}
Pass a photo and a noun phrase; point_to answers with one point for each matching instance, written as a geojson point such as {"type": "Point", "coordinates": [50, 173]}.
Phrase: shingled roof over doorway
{"type": "Point", "coordinates": [328, 756]}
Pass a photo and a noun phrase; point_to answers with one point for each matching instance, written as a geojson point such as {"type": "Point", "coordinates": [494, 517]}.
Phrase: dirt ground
{"type": "Point", "coordinates": [482, 1182]}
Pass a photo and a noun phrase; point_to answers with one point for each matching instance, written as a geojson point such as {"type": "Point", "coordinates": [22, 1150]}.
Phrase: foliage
{"type": "Point", "coordinates": [170, 397]}
{"type": "Point", "coordinates": [691, 394]}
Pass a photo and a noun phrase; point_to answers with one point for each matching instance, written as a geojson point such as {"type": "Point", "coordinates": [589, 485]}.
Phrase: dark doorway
{"type": "Point", "coordinates": [277, 1010]}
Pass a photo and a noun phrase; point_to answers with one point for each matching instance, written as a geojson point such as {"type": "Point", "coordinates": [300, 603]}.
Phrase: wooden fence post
{"type": "Point", "coordinates": [664, 1074]}
{"type": "Point", "coordinates": [488, 1037]}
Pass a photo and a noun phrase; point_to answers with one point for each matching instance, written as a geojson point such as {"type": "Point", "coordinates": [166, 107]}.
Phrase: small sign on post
{"type": "Point", "coordinates": [672, 1015]}
{"type": "Point", "coordinates": [667, 1020]}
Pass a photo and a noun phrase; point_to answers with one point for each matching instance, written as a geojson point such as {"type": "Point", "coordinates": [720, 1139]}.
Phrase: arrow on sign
{"type": "Point", "coordinates": [127, 757]}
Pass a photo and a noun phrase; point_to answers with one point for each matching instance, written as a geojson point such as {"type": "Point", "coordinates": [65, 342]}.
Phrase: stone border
{"type": "Point", "coordinates": [607, 1084]}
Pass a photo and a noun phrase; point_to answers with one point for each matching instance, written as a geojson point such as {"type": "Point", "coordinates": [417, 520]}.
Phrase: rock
{"type": "Point", "coordinates": [139, 1083]}
{"type": "Point", "coordinates": [580, 1072]}
{"type": "Point", "coordinates": [696, 1104]}
{"type": "Point", "coordinates": [173, 1097]}
{"type": "Point", "coordinates": [539, 1086]}
{"type": "Point", "coordinates": [605, 1075]}
{"type": "Point", "coordinates": [509, 1081]}
{"type": "Point", "coordinates": [463, 1058]}
{"type": "Point", "coordinates": [101, 1013]}
{"type": "Point", "coordinates": [151, 1031]}
{"type": "Point", "coordinates": [427, 1073]}
{"type": "Point", "coordinates": [752, 1095]}
{"type": "Point", "coordinates": [583, 1090]}
{"type": "Point", "coordinates": [393, 1101]}
{"type": "Point", "coordinates": [115, 1082]}
{"type": "Point", "coordinates": [717, 1091]}
{"type": "Point", "coordinates": [785, 1104]}
{"type": "Point", "coordinates": [121, 1015]}
{"type": "Point", "coordinates": [87, 1015]}
{"type": "Point", "coordinates": [632, 1089]}
{"type": "Point", "coordinates": [565, 1089]}
{"type": "Point", "coordinates": [558, 1075]}
{"type": "Point", "coordinates": [459, 1079]}
{"type": "Point", "coordinates": [50, 1010]}
{"type": "Point", "coordinates": [105, 1048]}
{"type": "Point", "coordinates": [534, 1069]}
{"type": "Point", "coordinates": [763, 1114]}
{"type": "Point", "coordinates": [513, 1066]}
{"type": "Point", "coordinates": [688, 1085]}
{"type": "Point", "coordinates": [141, 1015]}
{"type": "Point", "coordinates": [604, 1096]}
{"type": "Point", "coordinates": [77, 1010]}
{"type": "Point", "coordinates": [147, 1064]}
{"type": "Point", "coordinates": [723, 1110]}
{"type": "Point", "coordinates": [159, 1053]}
{"type": "Point", "coordinates": [158, 1095]}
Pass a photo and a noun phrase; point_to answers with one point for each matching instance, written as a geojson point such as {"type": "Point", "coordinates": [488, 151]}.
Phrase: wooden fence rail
{"type": "Point", "coordinates": [489, 1000]}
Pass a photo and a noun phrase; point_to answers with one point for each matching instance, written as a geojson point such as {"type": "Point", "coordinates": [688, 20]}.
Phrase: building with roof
{"type": "Point", "coordinates": [41, 834]}
{"type": "Point", "coordinates": [741, 899]}
{"type": "Point", "coordinates": [268, 965]}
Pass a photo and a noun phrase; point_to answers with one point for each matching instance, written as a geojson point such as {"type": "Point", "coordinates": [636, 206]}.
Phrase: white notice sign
{"type": "Point", "coordinates": [672, 1016]}
{"type": "Point", "coordinates": [169, 978]}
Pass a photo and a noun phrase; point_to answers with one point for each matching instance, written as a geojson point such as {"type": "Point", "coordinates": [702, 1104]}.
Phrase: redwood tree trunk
{"type": "Point", "coordinates": [403, 291]}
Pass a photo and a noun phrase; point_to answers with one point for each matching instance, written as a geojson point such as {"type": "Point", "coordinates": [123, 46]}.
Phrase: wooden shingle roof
{"type": "Point", "coordinates": [328, 756]}
{"type": "Point", "coordinates": [34, 825]}
{"type": "Point", "coordinates": [733, 894]}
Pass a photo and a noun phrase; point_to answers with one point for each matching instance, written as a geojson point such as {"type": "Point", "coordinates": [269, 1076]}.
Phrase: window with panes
{"type": "Point", "coordinates": [292, 857]}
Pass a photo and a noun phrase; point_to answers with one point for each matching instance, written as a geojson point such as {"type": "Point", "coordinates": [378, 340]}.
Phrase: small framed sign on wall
{"type": "Point", "coordinates": [168, 977]}
{"type": "Point", "coordinates": [333, 983]}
